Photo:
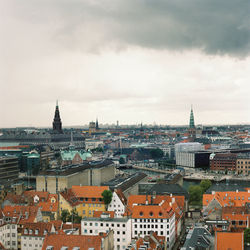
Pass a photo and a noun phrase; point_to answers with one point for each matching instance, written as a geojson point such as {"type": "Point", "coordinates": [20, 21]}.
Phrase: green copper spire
{"type": "Point", "coordinates": [191, 121]}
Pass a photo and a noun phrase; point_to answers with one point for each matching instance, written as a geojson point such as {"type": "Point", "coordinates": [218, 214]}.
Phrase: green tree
{"type": "Point", "coordinates": [156, 153]}
{"type": "Point", "coordinates": [247, 236]}
{"type": "Point", "coordinates": [205, 185]}
{"type": "Point", "coordinates": [74, 217]}
{"type": "Point", "coordinates": [107, 197]}
{"type": "Point", "coordinates": [195, 195]}
{"type": "Point", "coordinates": [64, 215]}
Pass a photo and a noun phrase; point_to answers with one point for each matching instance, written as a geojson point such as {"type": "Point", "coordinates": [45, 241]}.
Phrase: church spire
{"type": "Point", "coordinates": [191, 121]}
{"type": "Point", "coordinates": [96, 124]}
{"type": "Point", "coordinates": [57, 124]}
{"type": "Point", "coordinates": [192, 130]}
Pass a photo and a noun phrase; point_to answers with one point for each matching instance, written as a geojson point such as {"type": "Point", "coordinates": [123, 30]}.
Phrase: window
{"type": "Point", "coordinates": [96, 224]}
{"type": "Point", "coordinates": [151, 214]}
{"type": "Point", "coordinates": [160, 213]}
{"type": "Point", "coordinates": [123, 232]}
{"type": "Point", "coordinates": [135, 226]}
{"type": "Point", "coordinates": [135, 232]}
{"type": "Point", "coordinates": [90, 231]}
{"type": "Point", "coordinates": [101, 224]}
{"type": "Point", "coordinates": [161, 232]}
{"type": "Point", "coordinates": [141, 213]}
{"type": "Point", "coordinates": [118, 240]}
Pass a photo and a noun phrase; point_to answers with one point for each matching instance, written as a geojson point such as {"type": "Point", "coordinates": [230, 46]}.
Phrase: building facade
{"type": "Point", "coordinates": [243, 164]}
{"type": "Point", "coordinates": [9, 169]}
{"type": "Point", "coordinates": [88, 174]}
{"type": "Point", "coordinates": [104, 223]}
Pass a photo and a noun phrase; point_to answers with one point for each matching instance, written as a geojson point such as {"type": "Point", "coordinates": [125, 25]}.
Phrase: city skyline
{"type": "Point", "coordinates": [124, 61]}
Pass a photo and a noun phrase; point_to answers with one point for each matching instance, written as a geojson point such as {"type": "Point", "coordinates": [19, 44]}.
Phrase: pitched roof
{"type": "Point", "coordinates": [23, 214]}
{"type": "Point", "coordinates": [89, 191]}
{"type": "Point", "coordinates": [98, 214]}
{"type": "Point", "coordinates": [121, 196]}
{"type": "Point", "coordinates": [84, 242]}
{"type": "Point", "coordinates": [174, 189]}
{"type": "Point", "coordinates": [227, 198]}
{"type": "Point", "coordinates": [229, 240]}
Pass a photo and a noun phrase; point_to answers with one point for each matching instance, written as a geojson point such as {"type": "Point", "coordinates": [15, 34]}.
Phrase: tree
{"type": "Point", "coordinates": [195, 195]}
{"type": "Point", "coordinates": [107, 197]}
{"type": "Point", "coordinates": [74, 217]}
{"type": "Point", "coordinates": [247, 236]}
{"type": "Point", "coordinates": [64, 215]}
{"type": "Point", "coordinates": [156, 153]}
{"type": "Point", "coordinates": [205, 185]}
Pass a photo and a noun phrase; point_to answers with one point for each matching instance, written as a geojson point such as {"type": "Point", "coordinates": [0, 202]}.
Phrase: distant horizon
{"type": "Point", "coordinates": [129, 61]}
{"type": "Point", "coordinates": [105, 125]}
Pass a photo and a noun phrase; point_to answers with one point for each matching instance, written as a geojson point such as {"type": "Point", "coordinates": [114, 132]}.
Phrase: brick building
{"type": "Point", "coordinates": [223, 162]}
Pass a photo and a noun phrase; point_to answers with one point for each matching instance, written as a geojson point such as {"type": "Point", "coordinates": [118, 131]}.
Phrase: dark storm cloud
{"type": "Point", "coordinates": [216, 27]}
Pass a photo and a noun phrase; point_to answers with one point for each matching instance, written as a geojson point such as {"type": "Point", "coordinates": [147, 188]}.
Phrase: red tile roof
{"type": "Point", "coordinates": [84, 242]}
{"type": "Point", "coordinates": [89, 191]}
{"type": "Point", "coordinates": [23, 214]}
{"type": "Point", "coordinates": [229, 240]}
{"type": "Point", "coordinates": [99, 213]}
{"type": "Point", "coordinates": [227, 198]}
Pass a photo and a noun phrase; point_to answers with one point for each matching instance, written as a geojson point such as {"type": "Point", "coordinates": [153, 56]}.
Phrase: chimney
{"type": "Point", "coordinates": [154, 194]}
{"type": "Point", "coordinates": [237, 191]}
{"type": "Point", "coordinates": [171, 195]}
{"type": "Point", "coordinates": [170, 204]}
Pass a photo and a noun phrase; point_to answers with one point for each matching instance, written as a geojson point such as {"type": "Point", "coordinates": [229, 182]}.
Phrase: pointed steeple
{"type": "Point", "coordinates": [96, 124]}
{"type": "Point", "coordinates": [191, 121]}
{"type": "Point", "coordinates": [57, 124]}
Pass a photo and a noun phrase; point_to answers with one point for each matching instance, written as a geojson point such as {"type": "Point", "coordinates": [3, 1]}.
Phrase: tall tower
{"type": "Point", "coordinates": [96, 124]}
{"type": "Point", "coordinates": [191, 130]}
{"type": "Point", "coordinates": [57, 124]}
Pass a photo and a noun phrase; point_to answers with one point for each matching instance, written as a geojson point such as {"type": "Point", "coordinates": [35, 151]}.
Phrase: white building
{"type": "Point", "coordinates": [118, 203]}
{"type": "Point", "coordinates": [120, 226]}
{"type": "Point", "coordinates": [33, 234]}
{"type": "Point", "coordinates": [188, 147]}
{"type": "Point", "coordinates": [8, 235]}
{"type": "Point", "coordinates": [148, 218]}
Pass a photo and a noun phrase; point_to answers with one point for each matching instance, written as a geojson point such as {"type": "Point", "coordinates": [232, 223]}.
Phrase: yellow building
{"type": "Point", "coordinates": [84, 199]}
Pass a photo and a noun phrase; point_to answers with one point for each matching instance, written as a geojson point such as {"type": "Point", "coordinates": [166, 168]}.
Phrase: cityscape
{"type": "Point", "coordinates": [124, 187]}
{"type": "Point", "coordinates": [124, 125]}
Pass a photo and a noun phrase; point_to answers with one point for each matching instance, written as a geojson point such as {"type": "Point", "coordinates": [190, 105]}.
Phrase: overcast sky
{"type": "Point", "coordinates": [124, 60]}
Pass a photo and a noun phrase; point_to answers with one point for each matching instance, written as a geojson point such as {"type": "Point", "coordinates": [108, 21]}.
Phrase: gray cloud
{"type": "Point", "coordinates": [215, 27]}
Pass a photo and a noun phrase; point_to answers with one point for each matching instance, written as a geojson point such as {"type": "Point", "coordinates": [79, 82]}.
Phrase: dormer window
{"type": "Point", "coordinates": [30, 231]}
{"type": "Point", "coordinates": [151, 213]}
{"type": "Point", "coordinates": [141, 213]}
{"type": "Point", "coordinates": [160, 213]}
{"type": "Point", "coordinates": [25, 231]}
{"type": "Point", "coordinates": [45, 232]}
{"type": "Point", "coordinates": [36, 232]}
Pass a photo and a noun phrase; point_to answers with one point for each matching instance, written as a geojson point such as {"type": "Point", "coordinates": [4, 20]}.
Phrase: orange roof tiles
{"type": "Point", "coordinates": [24, 214]}
{"type": "Point", "coordinates": [99, 213]}
{"type": "Point", "coordinates": [229, 240]}
{"type": "Point", "coordinates": [89, 191]}
{"type": "Point", "coordinates": [84, 242]}
{"type": "Point", "coordinates": [228, 198]}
